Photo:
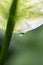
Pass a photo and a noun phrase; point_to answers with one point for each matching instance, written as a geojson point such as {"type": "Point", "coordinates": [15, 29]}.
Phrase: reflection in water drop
{"type": "Point", "coordinates": [21, 34]}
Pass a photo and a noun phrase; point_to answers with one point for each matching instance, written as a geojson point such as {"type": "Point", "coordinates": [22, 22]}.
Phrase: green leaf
{"type": "Point", "coordinates": [26, 50]}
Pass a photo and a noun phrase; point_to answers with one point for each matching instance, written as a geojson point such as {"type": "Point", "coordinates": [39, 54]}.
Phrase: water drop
{"type": "Point", "coordinates": [21, 34]}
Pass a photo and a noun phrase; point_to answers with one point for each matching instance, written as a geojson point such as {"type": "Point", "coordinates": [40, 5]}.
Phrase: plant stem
{"type": "Point", "coordinates": [9, 31]}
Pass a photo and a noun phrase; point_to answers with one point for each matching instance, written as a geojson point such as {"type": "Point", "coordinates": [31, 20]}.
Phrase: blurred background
{"type": "Point", "coordinates": [26, 49]}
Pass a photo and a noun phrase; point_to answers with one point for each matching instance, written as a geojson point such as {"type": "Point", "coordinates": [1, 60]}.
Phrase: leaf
{"type": "Point", "coordinates": [27, 49]}
{"type": "Point", "coordinates": [29, 14]}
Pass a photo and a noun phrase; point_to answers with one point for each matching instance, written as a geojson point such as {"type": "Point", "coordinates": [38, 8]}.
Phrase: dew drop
{"type": "Point", "coordinates": [21, 34]}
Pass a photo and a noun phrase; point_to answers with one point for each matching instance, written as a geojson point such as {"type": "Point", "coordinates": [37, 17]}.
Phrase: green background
{"type": "Point", "coordinates": [26, 49]}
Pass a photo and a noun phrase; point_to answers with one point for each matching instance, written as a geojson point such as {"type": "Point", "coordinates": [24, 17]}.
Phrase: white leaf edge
{"type": "Point", "coordinates": [27, 25]}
